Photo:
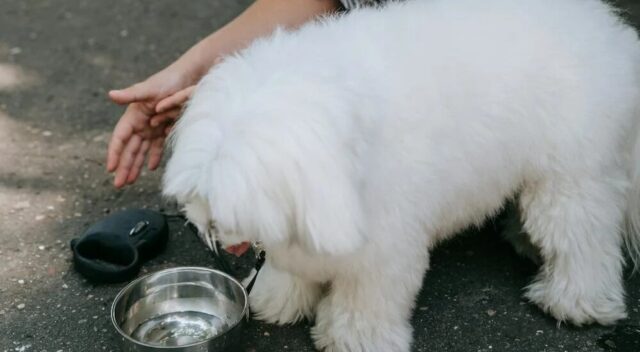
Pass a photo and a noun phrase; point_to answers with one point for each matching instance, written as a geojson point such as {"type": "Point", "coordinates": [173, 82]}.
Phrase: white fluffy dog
{"type": "Point", "coordinates": [353, 145]}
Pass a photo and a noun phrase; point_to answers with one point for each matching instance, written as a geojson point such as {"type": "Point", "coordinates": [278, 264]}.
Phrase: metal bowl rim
{"type": "Point", "coordinates": [171, 270]}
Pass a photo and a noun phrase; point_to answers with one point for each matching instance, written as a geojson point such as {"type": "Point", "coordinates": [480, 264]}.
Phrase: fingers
{"type": "Point", "coordinates": [137, 92]}
{"type": "Point", "coordinates": [134, 120]}
{"type": "Point", "coordinates": [138, 162]}
{"type": "Point", "coordinates": [155, 153]}
{"type": "Point", "coordinates": [176, 100]}
{"type": "Point", "coordinates": [120, 137]}
{"type": "Point", "coordinates": [134, 136]}
{"type": "Point", "coordinates": [126, 160]}
{"type": "Point", "coordinates": [165, 116]}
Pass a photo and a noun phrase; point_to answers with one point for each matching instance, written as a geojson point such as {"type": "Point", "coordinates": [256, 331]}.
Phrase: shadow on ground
{"type": "Point", "coordinates": [57, 59]}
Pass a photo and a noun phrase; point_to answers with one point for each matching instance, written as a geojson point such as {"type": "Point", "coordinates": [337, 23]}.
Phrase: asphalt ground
{"type": "Point", "coordinates": [57, 60]}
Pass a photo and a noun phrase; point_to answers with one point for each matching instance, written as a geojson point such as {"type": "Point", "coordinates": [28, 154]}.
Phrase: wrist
{"type": "Point", "coordinates": [182, 73]}
{"type": "Point", "coordinates": [197, 61]}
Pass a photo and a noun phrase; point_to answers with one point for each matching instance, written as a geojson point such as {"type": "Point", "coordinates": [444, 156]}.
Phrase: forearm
{"type": "Point", "coordinates": [260, 19]}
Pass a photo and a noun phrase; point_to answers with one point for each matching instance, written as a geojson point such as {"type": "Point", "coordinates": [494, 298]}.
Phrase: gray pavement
{"type": "Point", "coordinates": [57, 60]}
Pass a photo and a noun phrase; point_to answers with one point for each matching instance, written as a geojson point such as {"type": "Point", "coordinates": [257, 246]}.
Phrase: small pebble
{"type": "Point", "coordinates": [266, 334]}
{"type": "Point", "coordinates": [21, 282]}
{"type": "Point", "coordinates": [47, 133]}
{"type": "Point", "coordinates": [20, 306]}
{"type": "Point", "coordinates": [39, 217]}
{"type": "Point", "coordinates": [491, 312]}
{"type": "Point", "coordinates": [65, 286]}
{"type": "Point", "coordinates": [41, 248]}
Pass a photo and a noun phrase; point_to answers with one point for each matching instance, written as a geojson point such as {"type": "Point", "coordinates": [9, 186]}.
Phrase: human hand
{"type": "Point", "coordinates": [154, 88]}
{"type": "Point", "coordinates": [170, 103]}
{"type": "Point", "coordinates": [134, 138]}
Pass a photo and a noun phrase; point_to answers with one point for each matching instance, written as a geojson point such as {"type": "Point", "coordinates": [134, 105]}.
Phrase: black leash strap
{"type": "Point", "coordinates": [261, 255]}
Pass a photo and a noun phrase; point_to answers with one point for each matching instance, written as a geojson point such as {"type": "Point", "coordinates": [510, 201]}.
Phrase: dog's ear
{"type": "Point", "coordinates": [243, 202]}
{"type": "Point", "coordinates": [265, 194]}
{"type": "Point", "coordinates": [274, 192]}
{"type": "Point", "coordinates": [331, 212]}
{"type": "Point", "coordinates": [299, 186]}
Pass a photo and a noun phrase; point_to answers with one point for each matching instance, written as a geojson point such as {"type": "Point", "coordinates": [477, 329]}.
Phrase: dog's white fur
{"type": "Point", "coordinates": [351, 146]}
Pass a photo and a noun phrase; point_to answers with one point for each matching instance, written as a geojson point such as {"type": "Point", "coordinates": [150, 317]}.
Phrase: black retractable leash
{"type": "Point", "coordinates": [114, 249]}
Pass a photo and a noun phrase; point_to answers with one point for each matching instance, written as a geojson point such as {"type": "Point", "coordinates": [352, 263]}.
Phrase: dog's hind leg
{"type": "Point", "coordinates": [576, 222]}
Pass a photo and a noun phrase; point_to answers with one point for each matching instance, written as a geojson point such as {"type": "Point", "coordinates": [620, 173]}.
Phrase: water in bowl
{"type": "Point", "coordinates": [180, 328]}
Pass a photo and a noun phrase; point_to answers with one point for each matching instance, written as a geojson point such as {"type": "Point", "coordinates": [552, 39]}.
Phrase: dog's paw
{"type": "Point", "coordinates": [575, 307]}
{"type": "Point", "coordinates": [338, 330]}
{"type": "Point", "coordinates": [281, 298]}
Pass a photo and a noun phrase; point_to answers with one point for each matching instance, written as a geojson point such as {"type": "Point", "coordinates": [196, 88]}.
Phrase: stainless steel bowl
{"type": "Point", "coordinates": [185, 309]}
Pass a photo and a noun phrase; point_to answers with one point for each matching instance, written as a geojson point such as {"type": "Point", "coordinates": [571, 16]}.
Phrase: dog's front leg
{"type": "Point", "coordinates": [369, 309]}
{"type": "Point", "coordinates": [282, 298]}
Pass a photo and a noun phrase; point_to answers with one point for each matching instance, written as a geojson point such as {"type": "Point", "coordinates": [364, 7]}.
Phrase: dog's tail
{"type": "Point", "coordinates": [632, 233]}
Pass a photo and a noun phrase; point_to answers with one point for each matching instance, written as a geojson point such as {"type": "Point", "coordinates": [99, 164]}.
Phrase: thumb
{"type": "Point", "coordinates": [137, 92]}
